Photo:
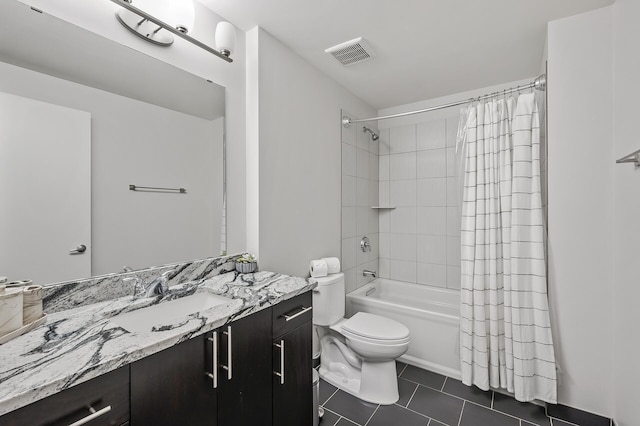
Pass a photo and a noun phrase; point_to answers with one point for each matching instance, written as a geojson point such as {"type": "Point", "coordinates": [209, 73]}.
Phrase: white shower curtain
{"type": "Point", "coordinates": [505, 327]}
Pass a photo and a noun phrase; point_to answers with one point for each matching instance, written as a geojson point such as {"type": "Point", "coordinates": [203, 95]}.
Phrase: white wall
{"type": "Point", "coordinates": [134, 142]}
{"type": "Point", "coordinates": [299, 148]}
{"type": "Point", "coordinates": [626, 195]}
{"type": "Point", "coordinates": [98, 16]}
{"type": "Point", "coordinates": [580, 163]}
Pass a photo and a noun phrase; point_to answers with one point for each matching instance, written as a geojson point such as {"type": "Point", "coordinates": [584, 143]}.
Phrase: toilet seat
{"type": "Point", "coordinates": [375, 329]}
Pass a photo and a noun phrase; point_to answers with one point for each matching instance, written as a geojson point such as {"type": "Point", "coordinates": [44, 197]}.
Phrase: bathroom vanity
{"type": "Point", "coordinates": [245, 362]}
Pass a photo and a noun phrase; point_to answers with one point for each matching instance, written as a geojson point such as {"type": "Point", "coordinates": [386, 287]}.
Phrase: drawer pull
{"type": "Point", "coordinates": [281, 373]}
{"type": "Point", "coordinates": [94, 414]}
{"type": "Point", "coordinates": [304, 310]}
{"type": "Point", "coordinates": [229, 353]}
{"type": "Point", "coordinates": [214, 374]}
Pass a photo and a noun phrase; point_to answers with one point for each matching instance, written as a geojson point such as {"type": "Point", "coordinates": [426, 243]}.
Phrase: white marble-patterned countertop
{"type": "Point", "coordinates": [79, 344]}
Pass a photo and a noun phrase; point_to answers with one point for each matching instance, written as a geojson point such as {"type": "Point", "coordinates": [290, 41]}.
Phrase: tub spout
{"type": "Point", "coordinates": [368, 273]}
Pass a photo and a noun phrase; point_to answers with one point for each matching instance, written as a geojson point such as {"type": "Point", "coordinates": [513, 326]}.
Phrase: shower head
{"type": "Point", "coordinates": [374, 135]}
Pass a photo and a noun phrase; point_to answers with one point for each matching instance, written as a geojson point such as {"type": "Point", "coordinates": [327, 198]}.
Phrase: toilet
{"type": "Point", "coordinates": [357, 354]}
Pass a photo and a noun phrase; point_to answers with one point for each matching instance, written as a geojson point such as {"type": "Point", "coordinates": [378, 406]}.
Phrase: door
{"type": "Point", "coordinates": [45, 190]}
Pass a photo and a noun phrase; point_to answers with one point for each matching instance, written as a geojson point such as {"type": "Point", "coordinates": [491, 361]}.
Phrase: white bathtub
{"type": "Point", "coordinates": [432, 315]}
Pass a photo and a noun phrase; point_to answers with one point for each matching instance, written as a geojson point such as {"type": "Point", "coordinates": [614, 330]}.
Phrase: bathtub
{"type": "Point", "coordinates": [432, 315]}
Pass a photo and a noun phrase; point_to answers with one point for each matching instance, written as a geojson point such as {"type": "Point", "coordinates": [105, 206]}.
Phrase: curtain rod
{"type": "Point", "coordinates": [539, 83]}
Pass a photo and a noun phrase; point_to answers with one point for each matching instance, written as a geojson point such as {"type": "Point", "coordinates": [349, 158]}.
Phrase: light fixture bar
{"type": "Point", "coordinates": [151, 18]}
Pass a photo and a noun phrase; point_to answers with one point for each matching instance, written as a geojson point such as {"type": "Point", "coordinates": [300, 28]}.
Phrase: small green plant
{"type": "Point", "coordinates": [246, 258]}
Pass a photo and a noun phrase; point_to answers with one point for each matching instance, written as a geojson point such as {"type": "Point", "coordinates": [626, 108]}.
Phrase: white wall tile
{"type": "Point", "coordinates": [374, 191]}
{"type": "Point", "coordinates": [362, 190]}
{"type": "Point", "coordinates": [349, 191]}
{"type": "Point", "coordinates": [370, 266]}
{"type": "Point", "coordinates": [402, 271]}
{"type": "Point", "coordinates": [384, 220]}
{"type": "Point", "coordinates": [348, 259]}
{"type": "Point", "coordinates": [362, 221]}
{"type": "Point", "coordinates": [403, 220]}
{"type": "Point", "coordinates": [453, 277]}
{"type": "Point", "coordinates": [431, 249]}
{"type": "Point", "coordinates": [374, 221]}
{"type": "Point", "coordinates": [452, 191]}
{"type": "Point", "coordinates": [364, 139]}
{"type": "Point", "coordinates": [374, 146]}
{"type": "Point", "coordinates": [402, 193]}
{"type": "Point", "coordinates": [383, 193]}
{"type": "Point", "coordinates": [374, 169]}
{"type": "Point", "coordinates": [431, 135]}
{"type": "Point", "coordinates": [452, 168]}
{"type": "Point", "coordinates": [348, 160]}
{"type": "Point", "coordinates": [403, 247]}
{"type": "Point", "coordinates": [384, 145]}
{"type": "Point", "coordinates": [431, 164]}
{"type": "Point", "coordinates": [453, 221]}
{"type": "Point", "coordinates": [385, 245]}
{"type": "Point", "coordinates": [431, 192]}
{"type": "Point", "coordinates": [350, 280]}
{"type": "Point", "coordinates": [362, 157]}
{"type": "Point", "coordinates": [452, 130]}
{"type": "Point", "coordinates": [431, 220]}
{"type": "Point", "coordinates": [434, 275]}
{"type": "Point", "coordinates": [383, 167]}
{"type": "Point", "coordinates": [385, 268]}
{"type": "Point", "coordinates": [403, 166]}
{"type": "Point", "coordinates": [348, 222]}
{"type": "Point", "coordinates": [403, 139]}
{"type": "Point", "coordinates": [453, 251]}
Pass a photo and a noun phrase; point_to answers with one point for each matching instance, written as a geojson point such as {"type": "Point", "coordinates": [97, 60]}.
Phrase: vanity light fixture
{"type": "Point", "coordinates": [150, 22]}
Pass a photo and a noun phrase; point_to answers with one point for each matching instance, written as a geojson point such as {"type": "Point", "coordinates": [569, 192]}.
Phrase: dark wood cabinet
{"type": "Point", "coordinates": [106, 397]}
{"type": "Point", "coordinates": [292, 364]}
{"type": "Point", "coordinates": [244, 383]}
{"type": "Point", "coordinates": [172, 387]}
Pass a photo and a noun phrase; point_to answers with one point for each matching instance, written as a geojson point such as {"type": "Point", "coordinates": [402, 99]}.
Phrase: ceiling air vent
{"type": "Point", "coordinates": [352, 51]}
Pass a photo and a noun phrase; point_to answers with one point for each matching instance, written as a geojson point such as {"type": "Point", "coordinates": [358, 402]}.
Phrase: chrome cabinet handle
{"type": "Point", "coordinates": [214, 374]}
{"type": "Point", "coordinates": [229, 353]}
{"type": "Point", "coordinates": [304, 310]}
{"type": "Point", "coordinates": [94, 414]}
{"type": "Point", "coordinates": [78, 250]}
{"type": "Point", "coordinates": [281, 373]}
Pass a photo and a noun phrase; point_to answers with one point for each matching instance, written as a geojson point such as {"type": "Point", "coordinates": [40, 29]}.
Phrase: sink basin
{"type": "Point", "coordinates": [167, 313]}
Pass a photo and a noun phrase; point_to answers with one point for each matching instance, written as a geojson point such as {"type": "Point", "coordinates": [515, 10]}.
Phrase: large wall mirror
{"type": "Point", "coordinates": [81, 119]}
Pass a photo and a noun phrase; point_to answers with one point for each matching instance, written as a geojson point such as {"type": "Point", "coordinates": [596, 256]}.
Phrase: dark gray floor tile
{"type": "Point", "coordinates": [424, 377]}
{"type": "Point", "coordinates": [475, 415]}
{"type": "Point", "coordinates": [405, 389]}
{"type": "Point", "coordinates": [470, 393]}
{"type": "Point", "coordinates": [556, 422]}
{"type": "Point", "coordinates": [350, 407]}
{"type": "Point", "coordinates": [394, 415]}
{"type": "Point", "coordinates": [436, 423]}
{"type": "Point", "coordinates": [326, 390]}
{"type": "Point", "coordinates": [399, 367]}
{"type": "Point", "coordinates": [346, 422]}
{"type": "Point", "coordinates": [329, 418]}
{"type": "Point", "coordinates": [573, 415]}
{"type": "Point", "coordinates": [526, 411]}
{"type": "Point", "coordinates": [437, 405]}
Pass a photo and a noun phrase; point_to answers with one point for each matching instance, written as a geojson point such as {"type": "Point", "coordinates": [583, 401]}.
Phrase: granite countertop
{"type": "Point", "coordinates": [78, 344]}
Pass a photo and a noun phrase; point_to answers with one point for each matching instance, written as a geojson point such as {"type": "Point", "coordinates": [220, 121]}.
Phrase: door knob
{"type": "Point", "coordinates": [78, 250]}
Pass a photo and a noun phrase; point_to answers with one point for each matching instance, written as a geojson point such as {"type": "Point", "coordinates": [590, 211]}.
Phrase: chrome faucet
{"type": "Point", "coordinates": [368, 273]}
{"type": "Point", "coordinates": [158, 286]}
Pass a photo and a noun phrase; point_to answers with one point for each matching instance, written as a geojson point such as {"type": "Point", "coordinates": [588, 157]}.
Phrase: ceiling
{"type": "Point", "coordinates": [425, 48]}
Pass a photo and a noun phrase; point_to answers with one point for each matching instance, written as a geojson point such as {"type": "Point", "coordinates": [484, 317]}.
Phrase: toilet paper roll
{"type": "Point", "coordinates": [32, 304]}
{"type": "Point", "coordinates": [333, 264]}
{"type": "Point", "coordinates": [318, 268]}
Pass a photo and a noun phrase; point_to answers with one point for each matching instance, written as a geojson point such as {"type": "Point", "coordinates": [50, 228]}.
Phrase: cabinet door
{"type": "Point", "coordinates": [172, 387]}
{"type": "Point", "coordinates": [106, 396]}
{"type": "Point", "coordinates": [244, 395]}
{"type": "Point", "coordinates": [292, 379]}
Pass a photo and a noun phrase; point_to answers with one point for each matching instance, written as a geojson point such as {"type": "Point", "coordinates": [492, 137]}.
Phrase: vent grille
{"type": "Point", "coordinates": [352, 51]}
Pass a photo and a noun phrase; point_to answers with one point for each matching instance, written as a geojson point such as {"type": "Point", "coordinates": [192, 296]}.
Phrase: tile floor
{"type": "Point", "coordinates": [431, 399]}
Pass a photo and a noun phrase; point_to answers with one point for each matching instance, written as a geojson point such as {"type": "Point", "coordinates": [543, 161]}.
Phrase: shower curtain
{"type": "Point", "coordinates": [505, 327]}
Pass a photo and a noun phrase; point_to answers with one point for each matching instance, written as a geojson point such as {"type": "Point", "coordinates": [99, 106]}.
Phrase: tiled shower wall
{"type": "Point", "coordinates": [359, 194]}
{"type": "Point", "coordinates": [420, 232]}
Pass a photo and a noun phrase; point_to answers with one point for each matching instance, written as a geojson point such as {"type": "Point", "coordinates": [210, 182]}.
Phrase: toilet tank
{"type": "Point", "coordinates": [328, 299]}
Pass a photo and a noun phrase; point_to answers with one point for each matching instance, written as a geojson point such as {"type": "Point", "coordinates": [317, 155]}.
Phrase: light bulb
{"type": "Point", "coordinates": [225, 38]}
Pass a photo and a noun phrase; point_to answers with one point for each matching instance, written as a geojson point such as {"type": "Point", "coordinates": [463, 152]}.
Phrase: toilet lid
{"type": "Point", "coordinates": [375, 327]}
